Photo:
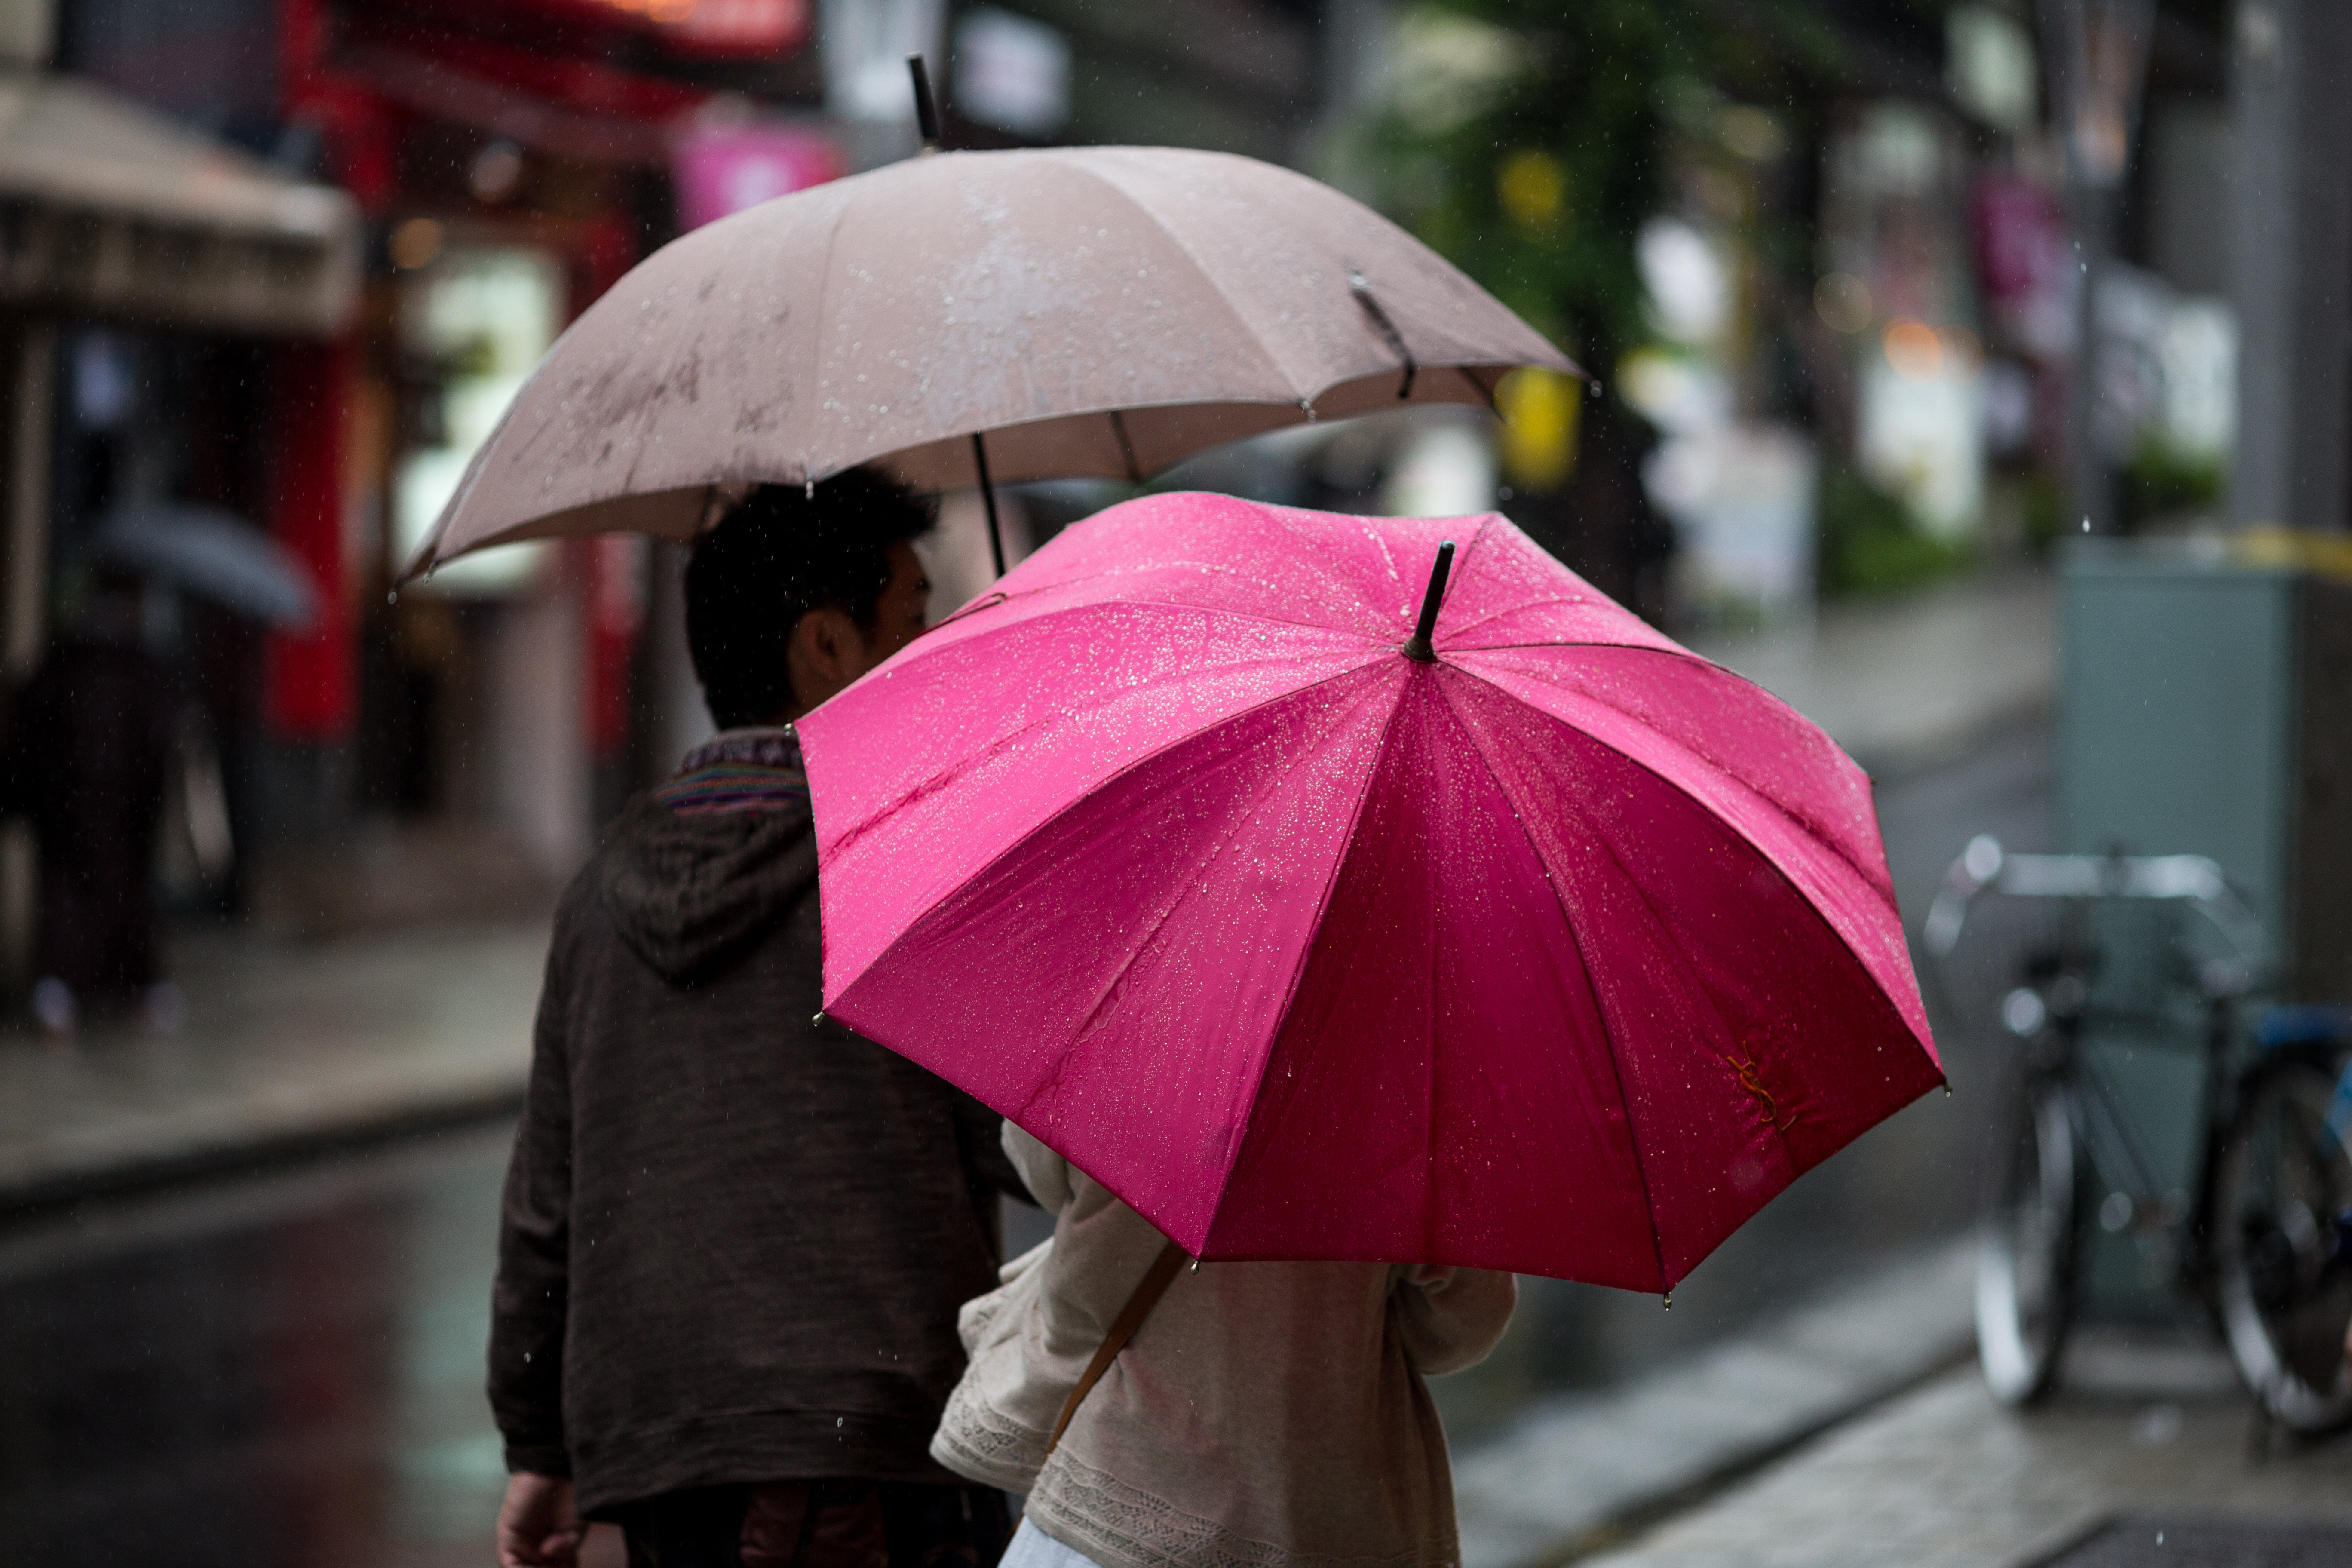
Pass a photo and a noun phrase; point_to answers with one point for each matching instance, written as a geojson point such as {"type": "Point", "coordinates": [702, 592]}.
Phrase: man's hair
{"type": "Point", "coordinates": [781, 554]}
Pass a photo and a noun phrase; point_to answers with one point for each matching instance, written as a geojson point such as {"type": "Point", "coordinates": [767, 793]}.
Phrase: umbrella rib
{"type": "Point", "coordinates": [817, 338]}
{"type": "Point", "coordinates": [928, 911]}
{"type": "Point", "coordinates": [1135, 953]}
{"type": "Point", "coordinates": [1811, 831]}
{"type": "Point", "coordinates": [1299, 966]}
{"type": "Point", "coordinates": [1200, 271]}
{"type": "Point", "coordinates": [1455, 641]}
{"type": "Point", "coordinates": [1370, 652]}
{"type": "Point", "coordinates": [1429, 1091]}
{"type": "Point", "coordinates": [1836, 936]}
{"type": "Point", "coordinates": [1126, 446]}
{"type": "Point", "coordinates": [1239, 821]}
{"type": "Point", "coordinates": [1608, 1034]}
{"type": "Point", "coordinates": [1371, 638]}
{"type": "Point", "coordinates": [1761, 854]}
{"type": "Point", "coordinates": [1555, 642]}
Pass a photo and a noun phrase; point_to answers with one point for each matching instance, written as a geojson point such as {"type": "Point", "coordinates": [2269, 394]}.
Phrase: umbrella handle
{"type": "Point", "coordinates": [1417, 646]}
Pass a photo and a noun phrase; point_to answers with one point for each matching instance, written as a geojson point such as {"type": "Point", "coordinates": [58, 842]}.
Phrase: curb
{"type": "Point", "coordinates": [44, 1196]}
{"type": "Point", "coordinates": [1584, 1473]}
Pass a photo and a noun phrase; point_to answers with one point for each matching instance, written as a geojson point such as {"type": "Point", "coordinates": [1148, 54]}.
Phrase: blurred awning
{"type": "Point", "coordinates": [107, 208]}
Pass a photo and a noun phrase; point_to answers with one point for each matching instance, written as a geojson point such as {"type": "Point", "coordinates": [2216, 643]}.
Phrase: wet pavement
{"type": "Point", "coordinates": [286, 1368]}
{"type": "Point", "coordinates": [1945, 1478]}
{"type": "Point", "coordinates": [288, 1044]}
{"type": "Point", "coordinates": [274, 1371]}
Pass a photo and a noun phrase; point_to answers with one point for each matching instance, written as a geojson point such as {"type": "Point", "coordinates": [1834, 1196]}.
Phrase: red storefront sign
{"type": "Point", "coordinates": [706, 27]}
{"type": "Point", "coordinates": [721, 172]}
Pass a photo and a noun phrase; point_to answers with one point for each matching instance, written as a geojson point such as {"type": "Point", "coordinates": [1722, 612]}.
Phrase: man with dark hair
{"type": "Point", "coordinates": [735, 1235]}
{"type": "Point", "coordinates": [756, 581]}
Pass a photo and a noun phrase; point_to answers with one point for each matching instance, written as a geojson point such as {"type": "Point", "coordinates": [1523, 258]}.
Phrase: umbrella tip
{"type": "Point", "coordinates": [817, 1022]}
{"type": "Point", "coordinates": [927, 108]}
{"type": "Point", "coordinates": [1667, 1300]}
{"type": "Point", "coordinates": [1418, 647]}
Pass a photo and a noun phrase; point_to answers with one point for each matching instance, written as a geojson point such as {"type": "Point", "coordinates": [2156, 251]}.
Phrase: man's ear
{"type": "Point", "coordinates": [827, 653]}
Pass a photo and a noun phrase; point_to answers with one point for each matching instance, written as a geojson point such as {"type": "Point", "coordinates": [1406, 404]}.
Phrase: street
{"type": "Point", "coordinates": [286, 1368]}
{"type": "Point", "coordinates": [1332, 585]}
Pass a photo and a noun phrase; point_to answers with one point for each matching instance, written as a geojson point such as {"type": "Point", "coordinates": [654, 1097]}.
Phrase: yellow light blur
{"type": "Point", "coordinates": [1540, 411]}
{"type": "Point", "coordinates": [1532, 188]}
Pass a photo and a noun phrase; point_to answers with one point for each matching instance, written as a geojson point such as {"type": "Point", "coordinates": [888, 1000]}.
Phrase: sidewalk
{"type": "Point", "coordinates": [290, 1044]}
{"type": "Point", "coordinates": [1908, 684]}
{"type": "Point", "coordinates": [1577, 1471]}
{"type": "Point", "coordinates": [1943, 1478]}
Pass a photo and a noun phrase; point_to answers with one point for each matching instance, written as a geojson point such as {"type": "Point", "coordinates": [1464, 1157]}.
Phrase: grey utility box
{"type": "Point", "coordinates": [2205, 709]}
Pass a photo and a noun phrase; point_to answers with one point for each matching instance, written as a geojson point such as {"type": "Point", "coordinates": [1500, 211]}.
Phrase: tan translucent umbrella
{"type": "Point", "coordinates": [1102, 310]}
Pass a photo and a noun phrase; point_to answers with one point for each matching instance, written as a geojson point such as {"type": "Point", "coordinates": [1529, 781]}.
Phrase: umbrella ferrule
{"type": "Point", "coordinates": [1418, 647]}
{"type": "Point", "coordinates": [927, 108]}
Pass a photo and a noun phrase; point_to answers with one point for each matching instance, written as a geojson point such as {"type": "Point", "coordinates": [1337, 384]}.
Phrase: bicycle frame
{"type": "Point", "coordinates": [2265, 1242]}
{"type": "Point", "coordinates": [2119, 1156]}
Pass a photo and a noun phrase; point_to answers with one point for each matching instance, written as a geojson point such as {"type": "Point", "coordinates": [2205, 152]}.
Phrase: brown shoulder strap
{"type": "Point", "coordinates": [1131, 1317]}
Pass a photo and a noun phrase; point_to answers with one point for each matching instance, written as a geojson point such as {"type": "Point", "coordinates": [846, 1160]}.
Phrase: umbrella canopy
{"type": "Point", "coordinates": [215, 554]}
{"type": "Point", "coordinates": [1557, 950]}
{"type": "Point", "coordinates": [1101, 310]}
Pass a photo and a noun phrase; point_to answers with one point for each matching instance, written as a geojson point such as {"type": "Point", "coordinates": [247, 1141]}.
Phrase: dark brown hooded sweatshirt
{"type": "Point", "coordinates": [734, 1240]}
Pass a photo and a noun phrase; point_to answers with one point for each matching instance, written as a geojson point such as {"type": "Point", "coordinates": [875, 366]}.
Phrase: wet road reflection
{"type": "Point", "coordinates": [286, 1372]}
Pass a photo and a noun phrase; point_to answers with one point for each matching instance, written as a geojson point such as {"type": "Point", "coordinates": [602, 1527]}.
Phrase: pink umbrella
{"type": "Point", "coordinates": [1529, 941]}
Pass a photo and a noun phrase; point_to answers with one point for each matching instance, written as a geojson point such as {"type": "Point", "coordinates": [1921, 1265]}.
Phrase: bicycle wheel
{"type": "Point", "coordinates": [2281, 1282]}
{"type": "Point", "coordinates": [2026, 1246]}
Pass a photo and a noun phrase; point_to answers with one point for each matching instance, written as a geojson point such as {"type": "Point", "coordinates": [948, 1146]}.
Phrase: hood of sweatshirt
{"type": "Point", "coordinates": [691, 892]}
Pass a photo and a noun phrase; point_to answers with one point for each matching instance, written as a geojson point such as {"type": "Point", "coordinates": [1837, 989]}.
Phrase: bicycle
{"type": "Point", "coordinates": [2070, 955]}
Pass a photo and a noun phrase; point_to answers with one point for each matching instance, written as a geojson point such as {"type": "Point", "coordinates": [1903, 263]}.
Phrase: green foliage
{"type": "Point", "coordinates": [2163, 480]}
{"type": "Point", "coordinates": [2042, 506]}
{"type": "Point", "coordinates": [1601, 89]}
{"type": "Point", "coordinates": [1872, 545]}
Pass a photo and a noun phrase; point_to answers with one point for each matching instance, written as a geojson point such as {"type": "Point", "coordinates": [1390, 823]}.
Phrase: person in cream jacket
{"type": "Point", "coordinates": [1264, 1416]}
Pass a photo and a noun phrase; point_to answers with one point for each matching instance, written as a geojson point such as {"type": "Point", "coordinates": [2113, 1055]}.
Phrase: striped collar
{"type": "Point", "coordinates": [751, 769]}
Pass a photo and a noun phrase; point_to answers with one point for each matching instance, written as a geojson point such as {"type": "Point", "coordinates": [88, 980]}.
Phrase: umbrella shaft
{"type": "Point", "coordinates": [988, 498]}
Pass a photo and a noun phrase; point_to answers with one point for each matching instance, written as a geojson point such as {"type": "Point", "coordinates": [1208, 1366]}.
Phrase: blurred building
{"type": "Point", "coordinates": [291, 258]}
{"type": "Point", "coordinates": [165, 296]}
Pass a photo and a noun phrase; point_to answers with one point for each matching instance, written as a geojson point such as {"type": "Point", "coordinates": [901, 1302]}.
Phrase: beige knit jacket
{"type": "Point", "coordinates": [1266, 1415]}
